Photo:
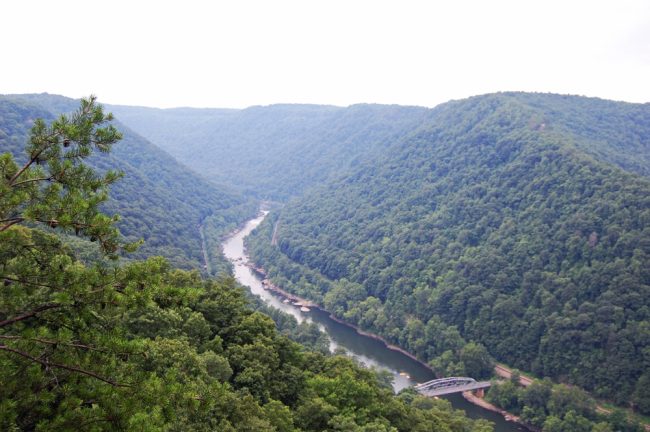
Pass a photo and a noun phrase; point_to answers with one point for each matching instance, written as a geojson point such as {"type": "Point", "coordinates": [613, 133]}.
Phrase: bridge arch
{"type": "Point", "coordinates": [450, 385]}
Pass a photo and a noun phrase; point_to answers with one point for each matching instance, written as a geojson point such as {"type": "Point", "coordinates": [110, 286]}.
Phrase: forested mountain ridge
{"type": "Point", "coordinates": [614, 132]}
{"type": "Point", "coordinates": [138, 346]}
{"type": "Point", "coordinates": [160, 200]}
{"type": "Point", "coordinates": [500, 220]}
{"type": "Point", "coordinates": [274, 151]}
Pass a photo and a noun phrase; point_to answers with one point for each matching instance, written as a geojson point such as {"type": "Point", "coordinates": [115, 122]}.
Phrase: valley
{"type": "Point", "coordinates": [438, 230]}
{"type": "Point", "coordinates": [508, 227]}
{"type": "Point", "coordinates": [367, 349]}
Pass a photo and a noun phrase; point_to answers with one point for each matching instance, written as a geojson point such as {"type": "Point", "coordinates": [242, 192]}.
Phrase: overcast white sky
{"type": "Point", "coordinates": [242, 53]}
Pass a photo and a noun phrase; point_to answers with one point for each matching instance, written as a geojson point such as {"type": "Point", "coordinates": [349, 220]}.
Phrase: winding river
{"type": "Point", "coordinates": [369, 351]}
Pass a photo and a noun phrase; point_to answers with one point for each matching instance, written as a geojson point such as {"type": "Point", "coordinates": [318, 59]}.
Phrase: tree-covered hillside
{"type": "Point", "coordinates": [613, 132]}
{"type": "Point", "coordinates": [505, 220]}
{"type": "Point", "coordinates": [276, 151]}
{"type": "Point", "coordinates": [160, 200]}
{"type": "Point", "coordinates": [139, 346]}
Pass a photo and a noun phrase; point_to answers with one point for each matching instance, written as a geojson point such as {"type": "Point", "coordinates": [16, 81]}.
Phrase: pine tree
{"type": "Point", "coordinates": [54, 187]}
{"type": "Point", "coordinates": [55, 313]}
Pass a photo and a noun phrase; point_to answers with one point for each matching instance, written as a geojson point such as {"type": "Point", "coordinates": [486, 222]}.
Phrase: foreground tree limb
{"type": "Point", "coordinates": [30, 314]}
{"type": "Point", "coordinates": [48, 364]}
{"type": "Point", "coordinates": [54, 187]}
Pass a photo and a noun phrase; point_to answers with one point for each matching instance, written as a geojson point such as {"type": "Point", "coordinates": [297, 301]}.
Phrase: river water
{"type": "Point", "coordinates": [369, 351]}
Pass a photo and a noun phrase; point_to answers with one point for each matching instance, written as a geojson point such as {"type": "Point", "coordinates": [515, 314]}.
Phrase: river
{"type": "Point", "coordinates": [369, 351]}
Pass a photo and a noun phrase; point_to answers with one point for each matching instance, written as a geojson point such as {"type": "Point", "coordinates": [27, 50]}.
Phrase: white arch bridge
{"type": "Point", "coordinates": [443, 386]}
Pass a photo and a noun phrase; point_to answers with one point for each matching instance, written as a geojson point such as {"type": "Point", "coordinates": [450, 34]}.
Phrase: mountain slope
{"type": "Point", "coordinates": [613, 132]}
{"type": "Point", "coordinates": [500, 221]}
{"type": "Point", "coordinates": [159, 199]}
{"type": "Point", "coordinates": [141, 346]}
{"type": "Point", "coordinates": [276, 151]}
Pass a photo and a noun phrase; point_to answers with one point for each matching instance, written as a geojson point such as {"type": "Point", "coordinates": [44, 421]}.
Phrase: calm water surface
{"type": "Point", "coordinates": [371, 352]}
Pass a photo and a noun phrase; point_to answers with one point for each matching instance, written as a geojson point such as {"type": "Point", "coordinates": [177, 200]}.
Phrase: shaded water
{"type": "Point", "coordinates": [367, 350]}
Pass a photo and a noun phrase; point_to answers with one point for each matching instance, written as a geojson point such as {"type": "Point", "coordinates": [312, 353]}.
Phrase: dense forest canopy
{"type": "Point", "coordinates": [511, 226]}
{"type": "Point", "coordinates": [159, 200]}
{"type": "Point", "coordinates": [139, 346]}
{"type": "Point", "coordinates": [517, 221]}
{"type": "Point", "coordinates": [275, 151]}
{"type": "Point", "coordinates": [612, 132]}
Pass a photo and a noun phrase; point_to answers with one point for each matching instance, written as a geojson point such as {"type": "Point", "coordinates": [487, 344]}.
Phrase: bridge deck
{"type": "Point", "coordinates": [455, 389]}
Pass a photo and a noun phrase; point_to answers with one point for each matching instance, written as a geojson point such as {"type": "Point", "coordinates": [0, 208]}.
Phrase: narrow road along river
{"type": "Point", "coordinates": [369, 351]}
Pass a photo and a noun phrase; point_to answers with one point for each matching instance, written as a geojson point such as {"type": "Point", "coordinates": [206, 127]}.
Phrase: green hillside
{"type": "Point", "coordinates": [612, 132]}
{"type": "Point", "coordinates": [139, 346]}
{"type": "Point", "coordinates": [160, 200]}
{"type": "Point", "coordinates": [275, 151]}
{"type": "Point", "coordinates": [518, 221]}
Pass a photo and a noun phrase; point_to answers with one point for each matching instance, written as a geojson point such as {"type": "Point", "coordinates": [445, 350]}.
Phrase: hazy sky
{"type": "Point", "coordinates": [239, 53]}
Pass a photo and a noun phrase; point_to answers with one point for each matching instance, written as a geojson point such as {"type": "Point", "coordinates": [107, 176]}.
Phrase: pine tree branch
{"type": "Point", "coordinates": [10, 219]}
{"type": "Point", "coordinates": [24, 168]}
{"type": "Point", "coordinates": [27, 282]}
{"type": "Point", "coordinates": [30, 314]}
{"type": "Point", "coordinates": [67, 344]}
{"type": "Point", "coordinates": [47, 364]}
{"type": "Point", "coordinates": [14, 221]}
{"type": "Point", "coordinates": [32, 180]}
{"type": "Point", "coordinates": [56, 343]}
{"type": "Point", "coordinates": [50, 140]}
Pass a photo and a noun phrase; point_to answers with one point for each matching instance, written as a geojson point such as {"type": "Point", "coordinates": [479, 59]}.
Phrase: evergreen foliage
{"type": "Point", "coordinates": [53, 186]}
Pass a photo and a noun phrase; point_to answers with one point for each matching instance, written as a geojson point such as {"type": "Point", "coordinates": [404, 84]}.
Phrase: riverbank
{"type": "Point", "coordinates": [471, 398]}
{"type": "Point", "coordinates": [524, 381]}
{"type": "Point", "coordinates": [300, 301]}
{"type": "Point", "coordinates": [369, 350]}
